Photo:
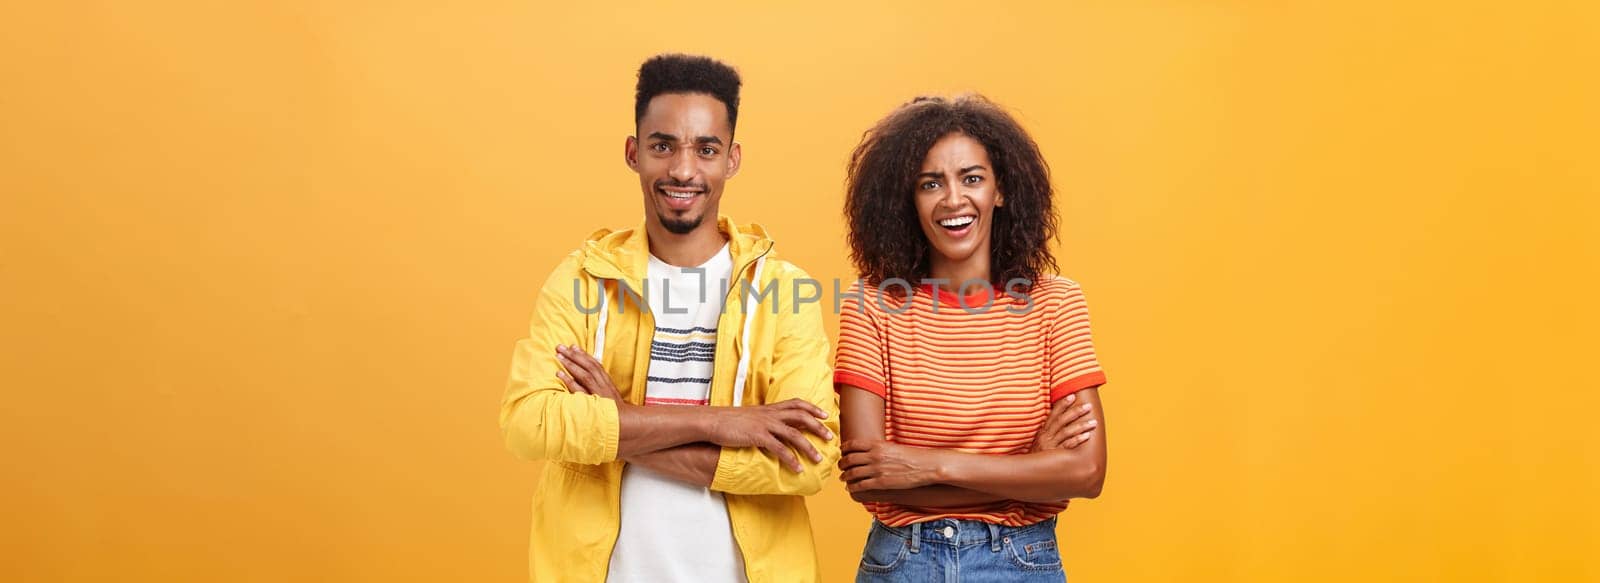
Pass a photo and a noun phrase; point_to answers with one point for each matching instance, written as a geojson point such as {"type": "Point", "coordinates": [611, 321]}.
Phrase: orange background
{"type": "Point", "coordinates": [263, 263]}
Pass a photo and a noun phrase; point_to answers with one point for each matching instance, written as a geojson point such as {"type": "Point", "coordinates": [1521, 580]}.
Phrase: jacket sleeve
{"type": "Point", "coordinates": [539, 419]}
{"type": "Point", "coordinates": [801, 368]}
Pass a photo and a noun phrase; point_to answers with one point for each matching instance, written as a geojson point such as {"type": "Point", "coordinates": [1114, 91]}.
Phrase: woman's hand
{"type": "Point", "coordinates": [884, 465]}
{"type": "Point", "coordinates": [1069, 426]}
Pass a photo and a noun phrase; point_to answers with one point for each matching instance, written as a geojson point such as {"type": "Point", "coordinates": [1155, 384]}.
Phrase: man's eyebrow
{"type": "Point", "coordinates": [708, 140]}
{"type": "Point", "coordinates": [663, 137]}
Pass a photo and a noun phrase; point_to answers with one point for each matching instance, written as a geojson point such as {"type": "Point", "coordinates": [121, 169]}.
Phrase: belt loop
{"type": "Point", "coordinates": [916, 537]}
{"type": "Point", "coordinates": [994, 537]}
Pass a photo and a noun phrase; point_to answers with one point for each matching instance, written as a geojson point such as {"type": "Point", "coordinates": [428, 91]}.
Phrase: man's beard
{"type": "Point", "coordinates": [682, 226]}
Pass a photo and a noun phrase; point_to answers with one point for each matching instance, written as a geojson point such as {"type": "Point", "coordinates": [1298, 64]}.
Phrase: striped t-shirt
{"type": "Point", "coordinates": [674, 531]}
{"type": "Point", "coordinates": [979, 381]}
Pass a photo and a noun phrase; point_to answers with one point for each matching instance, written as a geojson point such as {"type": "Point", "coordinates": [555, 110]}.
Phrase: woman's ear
{"type": "Point", "coordinates": [999, 199]}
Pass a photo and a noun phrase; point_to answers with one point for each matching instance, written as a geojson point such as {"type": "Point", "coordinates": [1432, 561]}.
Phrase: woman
{"type": "Point", "coordinates": [967, 379]}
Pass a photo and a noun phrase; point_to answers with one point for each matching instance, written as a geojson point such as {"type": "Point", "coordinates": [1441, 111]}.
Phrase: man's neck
{"type": "Point", "coordinates": [690, 249]}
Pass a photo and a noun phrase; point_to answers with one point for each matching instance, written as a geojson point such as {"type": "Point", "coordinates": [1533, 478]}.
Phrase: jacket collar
{"type": "Point", "coordinates": [625, 255]}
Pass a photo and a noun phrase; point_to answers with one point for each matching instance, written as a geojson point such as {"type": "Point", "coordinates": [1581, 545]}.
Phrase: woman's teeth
{"type": "Point", "coordinates": [957, 222]}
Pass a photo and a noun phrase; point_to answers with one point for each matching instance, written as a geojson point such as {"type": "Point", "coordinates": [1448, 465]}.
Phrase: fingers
{"type": "Point", "coordinates": [573, 368]}
{"type": "Point", "coordinates": [1077, 433]}
{"type": "Point", "coordinates": [1073, 441]}
{"type": "Point", "coordinates": [587, 372]}
{"type": "Point", "coordinates": [809, 423]}
{"type": "Point", "coordinates": [785, 456]}
{"type": "Point", "coordinates": [798, 441]}
{"type": "Point", "coordinates": [574, 375]}
{"type": "Point", "coordinates": [863, 484]}
{"type": "Point", "coordinates": [573, 385]}
{"type": "Point", "coordinates": [1064, 412]}
{"type": "Point", "coordinates": [584, 359]}
{"type": "Point", "coordinates": [853, 460]}
{"type": "Point", "coordinates": [806, 406]}
{"type": "Point", "coordinates": [855, 474]}
{"type": "Point", "coordinates": [1068, 417]}
{"type": "Point", "coordinates": [1059, 410]}
{"type": "Point", "coordinates": [579, 363]}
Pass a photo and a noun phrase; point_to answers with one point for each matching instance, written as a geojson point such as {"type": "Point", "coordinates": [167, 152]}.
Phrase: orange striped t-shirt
{"type": "Point", "coordinates": [980, 381]}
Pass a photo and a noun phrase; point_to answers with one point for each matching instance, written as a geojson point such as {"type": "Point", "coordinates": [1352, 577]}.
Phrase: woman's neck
{"type": "Point", "coordinates": [955, 273]}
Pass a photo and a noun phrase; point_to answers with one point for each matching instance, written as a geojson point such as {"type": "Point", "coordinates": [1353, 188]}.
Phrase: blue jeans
{"type": "Point", "coordinates": [967, 551]}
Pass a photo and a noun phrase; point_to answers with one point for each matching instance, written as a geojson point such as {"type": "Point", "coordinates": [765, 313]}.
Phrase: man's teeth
{"type": "Point", "coordinates": [680, 195]}
{"type": "Point", "coordinates": [957, 221]}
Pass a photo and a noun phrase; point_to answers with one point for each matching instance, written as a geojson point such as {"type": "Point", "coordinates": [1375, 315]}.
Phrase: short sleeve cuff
{"type": "Point", "coordinates": [1070, 386]}
{"type": "Point", "coordinates": [844, 377]}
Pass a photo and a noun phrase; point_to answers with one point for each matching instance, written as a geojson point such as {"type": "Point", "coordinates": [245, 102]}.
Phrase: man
{"type": "Point", "coordinates": [682, 398]}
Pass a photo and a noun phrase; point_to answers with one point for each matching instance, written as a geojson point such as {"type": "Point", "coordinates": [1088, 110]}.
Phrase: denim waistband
{"type": "Point", "coordinates": [960, 533]}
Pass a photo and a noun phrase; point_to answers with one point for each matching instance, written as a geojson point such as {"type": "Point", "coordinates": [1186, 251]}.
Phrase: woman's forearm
{"type": "Point", "coordinates": [877, 470]}
{"type": "Point", "coordinates": [936, 495]}
{"type": "Point", "coordinates": [1042, 476]}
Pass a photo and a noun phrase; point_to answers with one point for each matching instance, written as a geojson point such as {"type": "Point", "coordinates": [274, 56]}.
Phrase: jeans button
{"type": "Point", "coordinates": [949, 531]}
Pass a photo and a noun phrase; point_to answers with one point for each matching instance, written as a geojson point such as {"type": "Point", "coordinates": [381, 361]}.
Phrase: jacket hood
{"type": "Point", "coordinates": [625, 254]}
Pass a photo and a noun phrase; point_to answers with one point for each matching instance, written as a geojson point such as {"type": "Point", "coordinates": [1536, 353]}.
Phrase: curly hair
{"type": "Point", "coordinates": [886, 239]}
{"type": "Point", "coordinates": [675, 73]}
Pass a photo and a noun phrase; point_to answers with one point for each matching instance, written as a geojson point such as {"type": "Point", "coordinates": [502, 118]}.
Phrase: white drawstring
{"type": "Point", "coordinates": [600, 331]}
{"type": "Point", "coordinates": [744, 338]}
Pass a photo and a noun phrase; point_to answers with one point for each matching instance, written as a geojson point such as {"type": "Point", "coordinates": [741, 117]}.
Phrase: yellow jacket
{"type": "Point", "coordinates": [780, 352]}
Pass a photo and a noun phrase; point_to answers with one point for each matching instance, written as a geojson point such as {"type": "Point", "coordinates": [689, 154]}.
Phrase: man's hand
{"type": "Point", "coordinates": [885, 465]}
{"type": "Point", "coordinates": [775, 428]}
{"type": "Point", "coordinates": [584, 374]}
{"type": "Point", "coordinates": [1068, 427]}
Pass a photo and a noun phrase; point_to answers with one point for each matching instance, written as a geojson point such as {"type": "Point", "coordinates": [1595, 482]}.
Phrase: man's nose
{"type": "Point", "coordinates": [682, 166]}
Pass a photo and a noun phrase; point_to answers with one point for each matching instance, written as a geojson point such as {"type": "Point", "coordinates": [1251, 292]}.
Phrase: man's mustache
{"type": "Point", "coordinates": [665, 183]}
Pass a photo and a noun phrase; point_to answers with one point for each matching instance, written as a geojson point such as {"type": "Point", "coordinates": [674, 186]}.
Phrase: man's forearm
{"type": "Point", "coordinates": [694, 463]}
{"type": "Point", "coordinates": [644, 429]}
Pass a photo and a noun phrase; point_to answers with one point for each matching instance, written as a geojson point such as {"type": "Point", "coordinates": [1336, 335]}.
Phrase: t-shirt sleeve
{"type": "Point", "coordinates": [1073, 365]}
{"type": "Point", "coordinates": [860, 360]}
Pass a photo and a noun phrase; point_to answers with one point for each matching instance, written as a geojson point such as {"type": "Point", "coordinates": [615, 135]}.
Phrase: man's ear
{"type": "Point", "coordinates": [630, 153]}
{"type": "Point", "coordinates": [734, 155]}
